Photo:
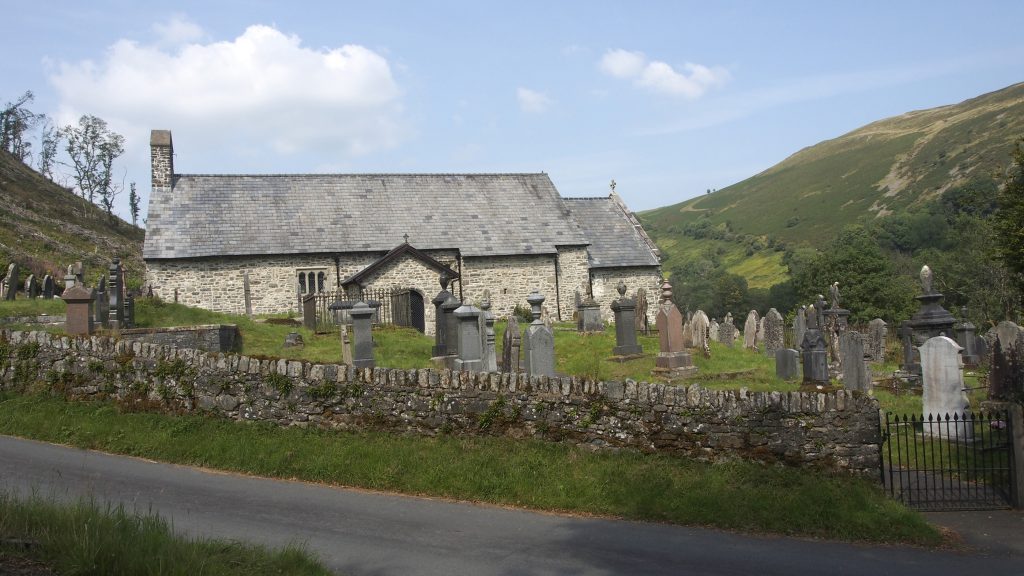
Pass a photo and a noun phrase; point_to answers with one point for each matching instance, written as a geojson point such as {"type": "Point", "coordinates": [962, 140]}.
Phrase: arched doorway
{"type": "Point", "coordinates": [416, 312]}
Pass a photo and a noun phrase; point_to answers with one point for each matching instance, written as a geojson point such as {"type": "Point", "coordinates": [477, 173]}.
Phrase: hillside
{"type": "Point", "coordinates": [44, 227]}
{"type": "Point", "coordinates": [888, 166]}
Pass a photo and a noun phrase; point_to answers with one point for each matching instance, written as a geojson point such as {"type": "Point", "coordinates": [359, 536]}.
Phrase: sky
{"type": "Point", "coordinates": [669, 99]}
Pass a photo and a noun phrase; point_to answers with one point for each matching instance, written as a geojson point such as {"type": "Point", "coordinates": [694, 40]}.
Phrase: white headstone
{"type": "Point", "coordinates": [942, 378]}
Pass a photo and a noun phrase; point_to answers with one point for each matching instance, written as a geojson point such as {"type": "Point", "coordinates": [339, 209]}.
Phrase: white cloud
{"type": "Point", "coordinates": [691, 82]}
{"type": "Point", "coordinates": [177, 31]}
{"type": "Point", "coordinates": [531, 101]}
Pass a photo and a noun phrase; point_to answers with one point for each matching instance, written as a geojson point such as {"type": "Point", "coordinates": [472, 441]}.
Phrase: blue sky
{"type": "Point", "coordinates": [667, 98]}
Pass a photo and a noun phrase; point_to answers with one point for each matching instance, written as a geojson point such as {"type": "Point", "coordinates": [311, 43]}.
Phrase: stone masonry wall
{"type": "Point", "coordinates": [510, 280]}
{"type": "Point", "coordinates": [606, 279]}
{"type": "Point", "coordinates": [411, 273]}
{"type": "Point", "coordinates": [837, 430]}
{"type": "Point", "coordinates": [574, 270]}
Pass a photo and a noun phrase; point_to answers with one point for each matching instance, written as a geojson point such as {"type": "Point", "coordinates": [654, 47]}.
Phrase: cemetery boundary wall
{"type": "Point", "coordinates": [838, 430]}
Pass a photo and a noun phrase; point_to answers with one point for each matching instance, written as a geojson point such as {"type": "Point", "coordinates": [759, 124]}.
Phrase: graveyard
{"type": "Point", "coordinates": [594, 386]}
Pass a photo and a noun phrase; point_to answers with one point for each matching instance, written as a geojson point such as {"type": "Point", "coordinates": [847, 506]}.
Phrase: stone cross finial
{"type": "Point", "coordinates": [613, 186]}
{"type": "Point", "coordinates": [666, 292]}
{"type": "Point", "coordinates": [621, 289]}
{"type": "Point", "coordinates": [406, 237]}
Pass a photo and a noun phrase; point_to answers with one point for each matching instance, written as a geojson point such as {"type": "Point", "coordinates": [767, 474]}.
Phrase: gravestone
{"type": "Point", "coordinates": [965, 333]}
{"type": "Point", "coordinates": [539, 341]}
{"type": "Point", "coordinates": [625, 329]}
{"type": "Point", "coordinates": [589, 319]}
{"type": "Point", "coordinates": [750, 331]}
{"type": "Point", "coordinates": [440, 319]}
{"type": "Point", "coordinates": [102, 304]}
{"type": "Point", "coordinates": [78, 318]}
{"type": "Point", "coordinates": [942, 379]}
{"type": "Point", "coordinates": [727, 331]}
{"type": "Point", "coordinates": [759, 337]}
{"type": "Point", "coordinates": [293, 340]}
{"type": "Point", "coordinates": [309, 311]}
{"type": "Point", "coordinates": [931, 318]}
{"type": "Point", "coordinates": [346, 344]}
{"type": "Point", "coordinates": [799, 325]}
{"type": "Point", "coordinates": [877, 331]}
{"type": "Point", "coordinates": [641, 312]}
{"type": "Point", "coordinates": [78, 271]}
{"type": "Point", "coordinates": [787, 364]}
{"type": "Point", "coordinates": [910, 363]}
{"type": "Point", "coordinates": [687, 333]}
{"type": "Point", "coordinates": [699, 326]}
{"type": "Point", "coordinates": [856, 373]}
{"type": "Point", "coordinates": [10, 282]}
{"type": "Point", "coordinates": [115, 295]}
{"type": "Point", "coordinates": [673, 360]}
{"type": "Point", "coordinates": [813, 320]}
{"type": "Point", "coordinates": [490, 358]}
{"type": "Point", "coordinates": [1006, 364]}
{"type": "Point", "coordinates": [451, 325]}
{"type": "Point", "coordinates": [713, 331]}
{"type": "Point", "coordinates": [362, 335]}
{"type": "Point", "coordinates": [32, 287]}
{"type": "Point", "coordinates": [470, 358]}
{"type": "Point", "coordinates": [48, 287]}
{"type": "Point", "coordinates": [510, 343]}
{"type": "Point", "coordinates": [815, 358]}
{"type": "Point", "coordinates": [774, 332]}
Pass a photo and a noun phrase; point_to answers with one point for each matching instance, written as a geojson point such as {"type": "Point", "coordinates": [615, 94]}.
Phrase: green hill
{"type": "Point", "coordinates": [889, 166]}
{"type": "Point", "coordinates": [44, 227]}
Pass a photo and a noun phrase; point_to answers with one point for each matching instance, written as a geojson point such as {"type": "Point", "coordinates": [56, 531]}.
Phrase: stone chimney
{"type": "Point", "coordinates": [162, 158]}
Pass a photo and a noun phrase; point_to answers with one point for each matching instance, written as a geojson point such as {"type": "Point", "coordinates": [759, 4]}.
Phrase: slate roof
{"type": "Point", "coordinates": [616, 237]}
{"type": "Point", "coordinates": [480, 214]}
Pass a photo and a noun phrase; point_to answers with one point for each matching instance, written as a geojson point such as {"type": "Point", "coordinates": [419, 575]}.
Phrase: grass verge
{"type": "Point", "coordinates": [734, 495]}
{"type": "Point", "coordinates": [86, 538]}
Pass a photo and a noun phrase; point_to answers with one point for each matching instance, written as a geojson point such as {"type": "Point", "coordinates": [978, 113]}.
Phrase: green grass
{"type": "Point", "coordinates": [30, 307]}
{"type": "Point", "coordinates": [86, 538]}
{"type": "Point", "coordinates": [733, 495]}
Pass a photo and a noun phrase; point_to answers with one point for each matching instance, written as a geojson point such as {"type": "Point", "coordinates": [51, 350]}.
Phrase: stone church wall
{"type": "Point", "coordinates": [606, 279]}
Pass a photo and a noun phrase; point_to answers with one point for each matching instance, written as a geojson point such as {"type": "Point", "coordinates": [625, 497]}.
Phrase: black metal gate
{"type": "Point", "coordinates": [952, 462]}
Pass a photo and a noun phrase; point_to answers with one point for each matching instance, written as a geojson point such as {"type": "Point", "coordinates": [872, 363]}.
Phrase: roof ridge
{"type": "Point", "coordinates": [374, 174]}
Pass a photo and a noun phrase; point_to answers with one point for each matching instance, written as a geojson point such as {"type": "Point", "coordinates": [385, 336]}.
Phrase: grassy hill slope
{"type": "Point", "coordinates": [887, 166]}
{"type": "Point", "coordinates": [44, 227]}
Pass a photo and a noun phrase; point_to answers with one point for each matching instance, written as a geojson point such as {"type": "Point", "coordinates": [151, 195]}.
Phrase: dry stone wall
{"type": "Point", "coordinates": [837, 430]}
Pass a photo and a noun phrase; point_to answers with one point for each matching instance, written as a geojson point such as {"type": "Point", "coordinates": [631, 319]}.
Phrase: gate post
{"type": "Point", "coordinates": [1016, 423]}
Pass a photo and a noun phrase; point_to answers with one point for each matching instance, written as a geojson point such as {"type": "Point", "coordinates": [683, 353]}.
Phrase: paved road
{"type": "Point", "coordinates": [360, 533]}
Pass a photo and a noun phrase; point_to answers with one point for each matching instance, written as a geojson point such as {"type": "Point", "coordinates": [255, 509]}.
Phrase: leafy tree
{"type": "Point", "coordinates": [49, 140]}
{"type": "Point", "coordinates": [16, 120]}
{"type": "Point", "coordinates": [868, 283]}
{"type": "Point", "coordinates": [1008, 221]}
{"type": "Point", "coordinates": [92, 148]}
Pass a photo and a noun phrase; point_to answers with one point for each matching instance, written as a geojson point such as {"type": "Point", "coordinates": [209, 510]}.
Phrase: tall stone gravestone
{"type": "Point", "coordinates": [640, 317]}
{"type": "Point", "coordinates": [490, 358]}
{"type": "Point", "coordinates": [856, 374]}
{"type": "Point", "coordinates": [815, 358]}
{"type": "Point", "coordinates": [625, 329]}
{"type": "Point", "coordinates": [48, 287]}
{"type": "Point", "coordinates": [942, 380]}
{"type": "Point", "coordinates": [78, 317]}
{"type": "Point", "coordinates": [362, 335]}
{"type": "Point", "coordinates": [965, 333]}
{"type": "Point", "coordinates": [115, 291]}
{"type": "Point", "coordinates": [31, 287]}
{"type": "Point", "coordinates": [774, 332]}
{"type": "Point", "coordinates": [713, 331]}
{"type": "Point", "coordinates": [877, 331]}
{"type": "Point", "coordinates": [799, 325]}
{"type": "Point", "coordinates": [673, 359]}
{"type": "Point", "coordinates": [787, 364]}
{"type": "Point", "coordinates": [750, 331]}
{"type": "Point", "coordinates": [10, 282]}
{"type": "Point", "coordinates": [440, 320]}
{"type": "Point", "coordinates": [539, 341]}
{"type": "Point", "coordinates": [699, 326]}
{"type": "Point", "coordinates": [727, 330]}
{"type": "Point", "coordinates": [309, 311]}
{"type": "Point", "coordinates": [510, 343]}
{"type": "Point", "coordinates": [470, 356]}
{"type": "Point", "coordinates": [1006, 364]}
{"type": "Point", "coordinates": [451, 326]}
{"type": "Point", "coordinates": [102, 304]}
{"type": "Point", "coordinates": [759, 336]}
{"type": "Point", "coordinates": [931, 318]}
{"type": "Point", "coordinates": [589, 319]}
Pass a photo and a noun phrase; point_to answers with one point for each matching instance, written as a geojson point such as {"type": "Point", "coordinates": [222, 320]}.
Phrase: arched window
{"type": "Point", "coordinates": [302, 283]}
{"type": "Point", "coordinates": [311, 281]}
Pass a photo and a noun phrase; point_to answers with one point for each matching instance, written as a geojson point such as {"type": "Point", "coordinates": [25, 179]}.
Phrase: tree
{"type": "Point", "coordinates": [15, 121]}
{"type": "Point", "coordinates": [1008, 220]}
{"type": "Point", "coordinates": [48, 143]}
{"type": "Point", "coordinates": [92, 148]}
{"type": "Point", "coordinates": [133, 203]}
